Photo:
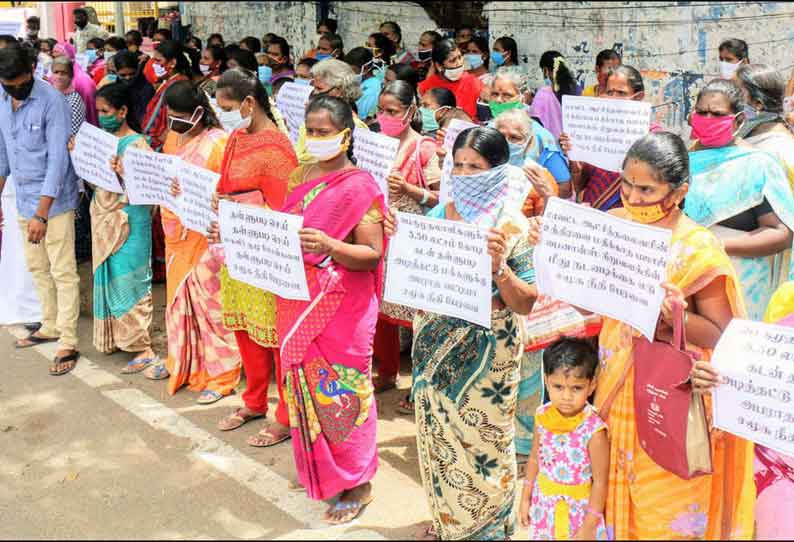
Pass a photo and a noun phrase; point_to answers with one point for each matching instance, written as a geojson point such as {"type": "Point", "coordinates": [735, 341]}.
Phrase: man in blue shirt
{"type": "Point", "coordinates": [35, 124]}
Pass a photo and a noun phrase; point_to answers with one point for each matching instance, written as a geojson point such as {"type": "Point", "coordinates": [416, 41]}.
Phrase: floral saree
{"type": "Point", "coordinates": [326, 349]}
{"type": "Point", "coordinates": [644, 501]}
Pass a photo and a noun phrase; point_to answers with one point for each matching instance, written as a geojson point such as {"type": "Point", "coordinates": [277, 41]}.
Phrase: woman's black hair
{"type": "Point", "coordinates": [435, 37]}
{"type": "Point", "coordinates": [119, 95]}
{"type": "Point", "coordinates": [185, 97]}
{"type": "Point", "coordinates": [195, 61]}
{"type": "Point", "coordinates": [736, 47]}
{"type": "Point", "coordinates": [245, 59]}
{"type": "Point", "coordinates": [406, 95]}
{"type": "Point", "coordinates": [216, 37]}
{"type": "Point", "coordinates": [563, 79]}
{"type": "Point", "coordinates": [727, 88]}
{"type": "Point", "coordinates": [126, 59]}
{"type": "Point", "coordinates": [442, 49]}
{"type": "Point", "coordinates": [173, 50]}
{"type": "Point", "coordinates": [218, 55]}
{"type": "Point", "coordinates": [283, 46]}
{"type": "Point", "coordinates": [510, 46]}
{"type": "Point", "coordinates": [632, 75]}
{"type": "Point", "coordinates": [665, 153]}
{"type": "Point", "coordinates": [330, 24]}
{"type": "Point", "coordinates": [116, 42]}
{"type": "Point", "coordinates": [358, 56]}
{"type": "Point", "coordinates": [136, 37]}
{"type": "Point", "coordinates": [404, 72]}
{"type": "Point", "coordinates": [764, 84]}
{"type": "Point", "coordinates": [385, 45]}
{"type": "Point", "coordinates": [241, 83]}
{"type": "Point", "coordinates": [567, 354]}
{"type": "Point", "coordinates": [252, 44]}
{"type": "Point", "coordinates": [336, 43]}
{"type": "Point", "coordinates": [341, 115]}
{"type": "Point", "coordinates": [394, 28]}
{"type": "Point", "coordinates": [443, 97]}
{"type": "Point", "coordinates": [195, 41]}
{"type": "Point", "coordinates": [165, 33]}
{"type": "Point", "coordinates": [487, 142]}
{"type": "Point", "coordinates": [98, 43]}
{"type": "Point", "coordinates": [482, 45]}
{"type": "Point", "coordinates": [606, 55]}
{"type": "Point", "coordinates": [307, 62]}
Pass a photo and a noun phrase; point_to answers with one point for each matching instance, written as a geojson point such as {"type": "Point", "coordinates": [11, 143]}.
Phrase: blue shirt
{"type": "Point", "coordinates": [367, 105]}
{"type": "Point", "coordinates": [33, 149]}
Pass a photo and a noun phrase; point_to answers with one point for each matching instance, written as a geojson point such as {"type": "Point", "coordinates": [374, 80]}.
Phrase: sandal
{"type": "Point", "coordinates": [352, 510]}
{"type": "Point", "coordinates": [137, 365]}
{"type": "Point", "coordinates": [233, 421]}
{"type": "Point", "coordinates": [156, 370]}
{"type": "Point", "coordinates": [33, 340]}
{"type": "Point", "coordinates": [406, 406]}
{"type": "Point", "coordinates": [266, 438]}
{"type": "Point", "coordinates": [70, 362]}
{"type": "Point", "coordinates": [207, 397]}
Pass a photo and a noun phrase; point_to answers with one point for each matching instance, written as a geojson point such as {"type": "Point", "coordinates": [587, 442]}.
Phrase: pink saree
{"type": "Point", "coordinates": [326, 347]}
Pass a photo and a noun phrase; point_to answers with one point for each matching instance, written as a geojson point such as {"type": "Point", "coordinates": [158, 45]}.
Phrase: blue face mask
{"type": "Point", "coordinates": [517, 153]}
{"type": "Point", "coordinates": [547, 82]}
{"type": "Point", "coordinates": [498, 58]}
{"type": "Point", "coordinates": [473, 60]}
{"type": "Point", "coordinates": [429, 122]}
{"type": "Point", "coordinates": [112, 77]}
{"type": "Point", "coordinates": [322, 56]}
{"type": "Point", "coordinates": [90, 54]}
{"type": "Point", "coordinates": [265, 74]}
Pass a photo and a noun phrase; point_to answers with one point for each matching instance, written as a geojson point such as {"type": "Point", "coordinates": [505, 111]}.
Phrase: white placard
{"type": "Point", "coordinates": [11, 28]}
{"type": "Point", "coordinates": [440, 266]}
{"type": "Point", "coordinates": [456, 126]}
{"type": "Point", "coordinates": [291, 103]}
{"type": "Point", "coordinates": [445, 188]}
{"type": "Point", "coordinates": [602, 130]}
{"type": "Point", "coordinates": [148, 177]}
{"type": "Point", "coordinates": [375, 153]}
{"type": "Point", "coordinates": [755, 403]}
{"type": "Point", "coordinates": [93, 150]}
{"type": "Point", "coordinates": [263, 249]}
{"type": "Point", "coordinates": [602, 263]}
{"type": "Point", "coordinates": [195, 202]}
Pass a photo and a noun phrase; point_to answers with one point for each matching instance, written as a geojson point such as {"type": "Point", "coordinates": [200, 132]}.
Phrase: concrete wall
{"type": "Point", "coordinates": [674, 47]}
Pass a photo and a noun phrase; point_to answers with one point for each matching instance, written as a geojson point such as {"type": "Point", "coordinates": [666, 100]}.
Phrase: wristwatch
{"type": "Point", "coordinates": [501, 273]}
{"type": "Point", "coordinates": [40, 219]}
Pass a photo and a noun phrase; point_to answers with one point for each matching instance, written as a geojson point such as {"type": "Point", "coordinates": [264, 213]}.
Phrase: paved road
{"type": "Point", "coordinates": [96, 454]}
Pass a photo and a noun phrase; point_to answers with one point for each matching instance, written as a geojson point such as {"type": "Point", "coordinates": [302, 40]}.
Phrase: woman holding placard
{"type": "Point", "coordinates": [202, 353]}
{"type": "Point", "coordinates": [741, 194]}
{"type": "Point", "coordinates": [413, 187]}
{"type": "Point", "coordinates": [466, 377]}
{"type": "Point", "coordinates": [256, 163]}
{"type": "Point", "coordinates": [644, 500]}
{"type": "Point", "coordinates": [326, 348]}
{"type": "Point", "coordinates": [121, 245]}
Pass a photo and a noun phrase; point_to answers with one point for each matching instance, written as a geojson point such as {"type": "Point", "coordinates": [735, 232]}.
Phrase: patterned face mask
{"type": "Point", "coordinates": [478, 195]}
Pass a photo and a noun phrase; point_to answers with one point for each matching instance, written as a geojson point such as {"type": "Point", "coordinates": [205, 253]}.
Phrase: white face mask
{"type": "Point", "coordinates": [159, 71]}
{"type": "Point", "coordinates": [205, 69]}
{"type": "Point", "coordinates": [727, 69]}
{"type": "Point", "coordinates": [232, 120]}
{"type": "Point", "coordinates": [454, 74]}
{"type": "Point", "coordinates": [323, 149]}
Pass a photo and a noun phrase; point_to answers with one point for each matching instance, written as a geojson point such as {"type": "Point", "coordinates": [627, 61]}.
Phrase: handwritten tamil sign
{"type": "Point", "coordinates": [93, 150]}
{"type": "Point", "coordinates": [291, 103]}
{"type": "Point", "coordinates": [195, 202]}
{"type": "Point", "coordinates": [602, 263]}
{"type": "Point", "coordinates": [148, 176]}
{"type": "Point", "coordinates": [263, 249]}
{"type": "Point", "coordinates": [456, 126]}
{"type": "Point", "coordinates": [755, 402]}
{"type": "Point", "coordinates": [375, 153]}
{"type": "Point", "coordinates": [440, 266]}
{"type": "Point", "coordinates": [602, 130]}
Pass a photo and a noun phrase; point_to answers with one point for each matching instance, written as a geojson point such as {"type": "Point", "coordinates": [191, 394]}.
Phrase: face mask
{"type": "Point", "coordinates": [712, 131]}
{"type": "Point", "coordinates": [110, 123]}
{"type": "Point", "coordinates": [112, 77]}
{"type": "Point", "coordinates": [109, 54]}
{"type": "Point", "coordinates": [322, 56]}
{"type": "Point", "coordinates": [517, 153]}
{"type": "Point", "coordinates": [233, 120]}
{"type": "Point", "coordinates": [453, 74]}
{"type": "Point", "coordinates": [205, 68]}
{"type": "Point", "coordinates": [473, 60]}
{"type": "Point", "coordinates": [727, 69]}
{"type": "Point", "coordinates": [749, 112]}
{"type": "Point", "coordinates": [429, 122]}
{"type": "Point", "coordinates": [322, 149]}
{"type": "Point", "coordinates": [498, 108]}
{"type": "Point", "coordinates": [182, 126]}
{"type": "Point", "coordinates": [20, 92]}
{"type": "Point", "coordinates": [305, 82]}
{"type": "Point", "coordinates": [90, 54]}
{"type": "Point", "coordinates": [547, 81]}
{"type": "Point", "coordinates": [159, 70]}
{"type": "Point", "coordinates": [647, 213]}
{"type": "Point", "coordinates": [497, 57]}
{"type": "Point", "coordinates": [477, 195]}
{"type": "Point", "coordinates": [265, 73]}
{"type": "Point", "coordinates": [392, 126]}
{"type": "Point", "coordinates": [424, 55]}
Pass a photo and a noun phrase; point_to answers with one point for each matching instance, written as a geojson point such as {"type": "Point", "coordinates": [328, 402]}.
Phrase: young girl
{"type": "Point", "coordinates": [566, 486]}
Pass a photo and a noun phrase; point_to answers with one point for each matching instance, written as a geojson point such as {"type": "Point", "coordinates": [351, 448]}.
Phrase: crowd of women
{"type": "Point", "coordinates": [486, 407]}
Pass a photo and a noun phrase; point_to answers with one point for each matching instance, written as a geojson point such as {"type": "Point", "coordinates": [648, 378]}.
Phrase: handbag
{"type": "Point", "coordinates": [671, 419]}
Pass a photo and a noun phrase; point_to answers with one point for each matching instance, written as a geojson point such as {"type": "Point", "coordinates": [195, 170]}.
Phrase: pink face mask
{"type": "Point", "coordinates": [391, 126]}
{"type": "Point", "coordinates": [712, 131]}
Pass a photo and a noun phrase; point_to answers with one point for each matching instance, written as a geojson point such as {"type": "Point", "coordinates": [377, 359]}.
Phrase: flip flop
{"type": "Point", "coordinates": [237, 420]}
{"type": "Point", "coordinates": [406, 407]}
{"type": "Point", "coordinates": [34, 341]}
{"type": "Point", "coordinates": [354, 507]}
{"type": "Point", "coordinates": [207, 397]}
{"type": "Point", "coordinates": [265, 438]}
{"type": "Point", "coordinates": [71, 358]}
{"type": "Point", "coordinates": [137, 365]}
{"type": "Point", "coordinates": [156, 370]}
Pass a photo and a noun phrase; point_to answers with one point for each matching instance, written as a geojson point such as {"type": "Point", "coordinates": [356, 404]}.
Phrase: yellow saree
{"type": "Point", "coordinates": [645, 501]}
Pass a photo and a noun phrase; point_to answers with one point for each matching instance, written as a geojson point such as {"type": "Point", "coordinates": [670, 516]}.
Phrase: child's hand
{"type": "Point", "coordinates": [587, 531]}
{"type": "Point", "coordinates": [523, 510]}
